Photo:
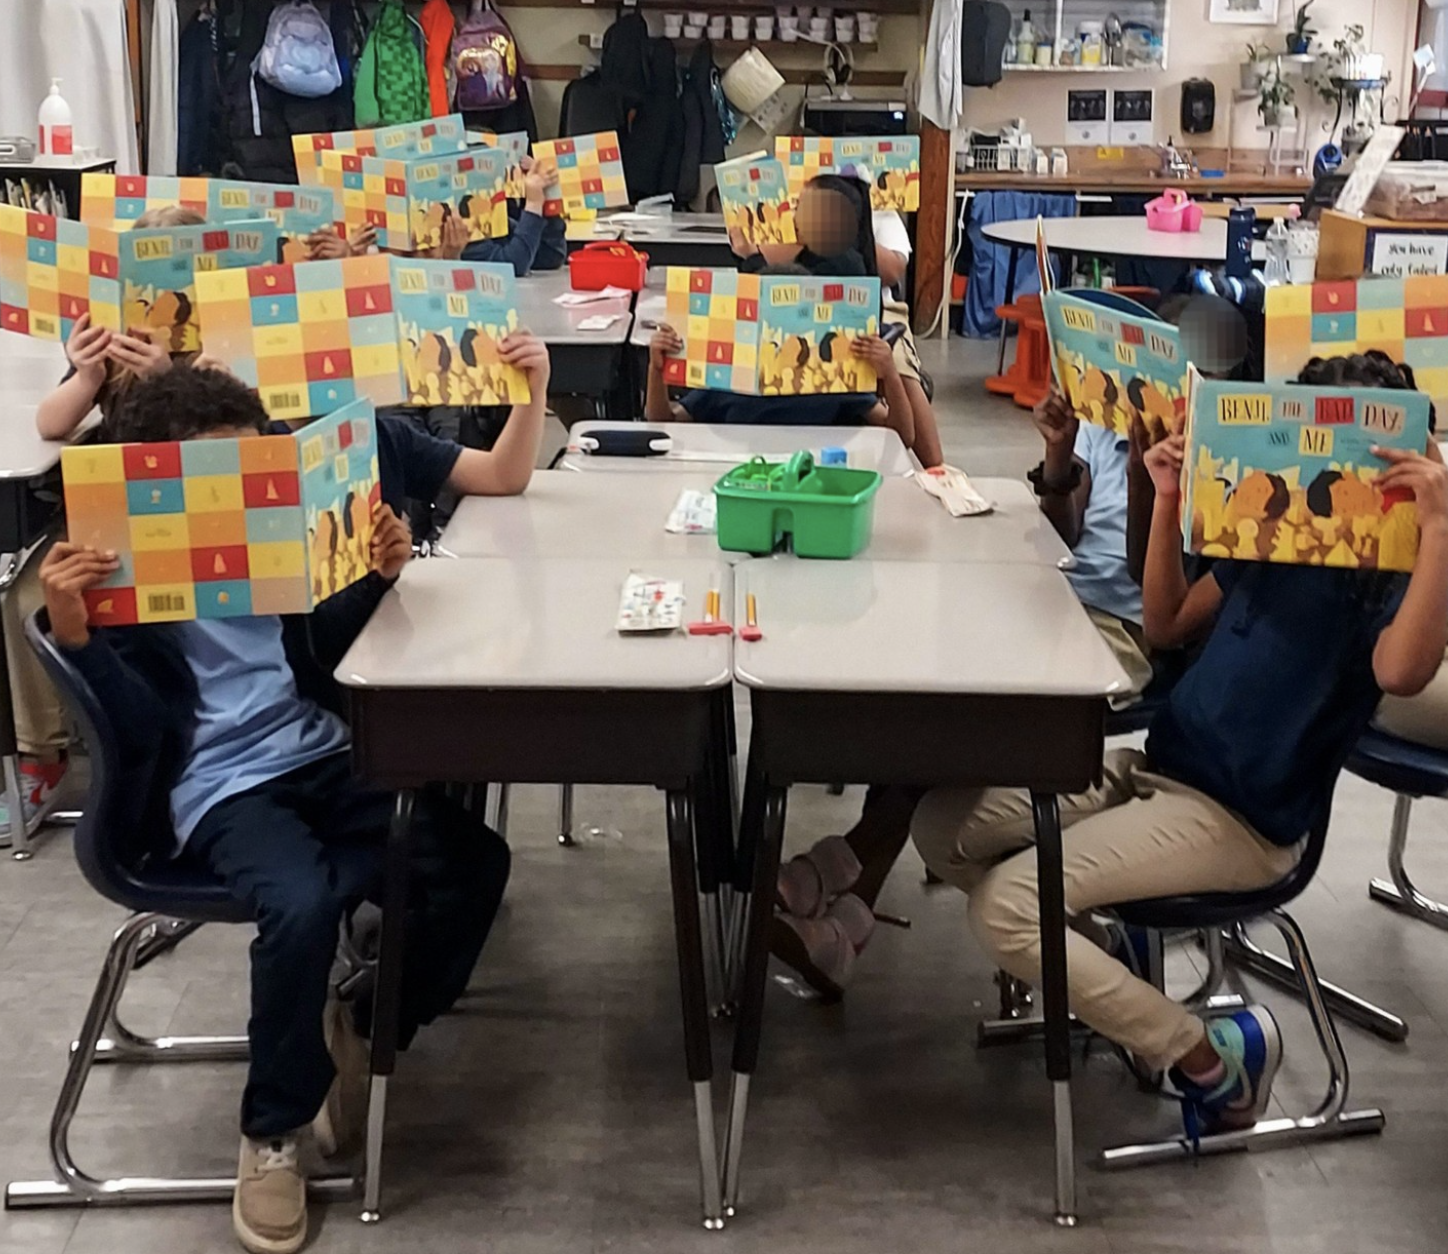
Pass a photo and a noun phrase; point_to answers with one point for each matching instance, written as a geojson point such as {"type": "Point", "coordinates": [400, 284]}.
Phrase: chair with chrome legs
{"type": "Point", "coordinates": [1411, 771]}
{"type": "Point", "coordinates": [1215, 912]}
{"type": "Point", "coordinates": [167, 900]}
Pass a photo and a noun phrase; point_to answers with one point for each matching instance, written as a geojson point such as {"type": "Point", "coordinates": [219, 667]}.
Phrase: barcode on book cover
{"type": "Point", "coordinates": [166, 603]}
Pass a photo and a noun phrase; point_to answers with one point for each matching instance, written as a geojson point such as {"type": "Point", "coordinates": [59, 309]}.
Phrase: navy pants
{"type": "Point", "coordinates": [302, 850]}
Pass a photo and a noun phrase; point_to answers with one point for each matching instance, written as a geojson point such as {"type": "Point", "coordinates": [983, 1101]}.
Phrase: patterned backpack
{"type": "Point", "coordinates": [485, 60]}
{"type": "Point", "coordinates": [297, 56]}
{"type": "Point", "coordinates": [391, 79]}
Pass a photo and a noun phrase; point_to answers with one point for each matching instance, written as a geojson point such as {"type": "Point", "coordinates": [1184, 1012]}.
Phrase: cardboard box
{"type": "Point", "coordinates": [1350, 247]}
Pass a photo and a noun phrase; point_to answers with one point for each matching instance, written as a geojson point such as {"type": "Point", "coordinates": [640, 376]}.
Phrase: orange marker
{"type": "Point", "coordinates": [750, 630]}
{"type": "Point", "coordinates": [712, 624]}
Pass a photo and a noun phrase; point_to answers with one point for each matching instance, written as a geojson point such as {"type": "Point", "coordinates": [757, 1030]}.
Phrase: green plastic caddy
{"type": "Point", "coordinates": [828, 511]}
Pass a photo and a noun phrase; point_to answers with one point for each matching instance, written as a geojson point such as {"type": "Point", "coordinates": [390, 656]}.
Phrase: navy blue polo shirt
{"type": "Point", "coordinates": [828, 410]}
{"type": "Point", "coordinates": [1265, 717]}
{"type": "Point", "coordinates": [412, 464]}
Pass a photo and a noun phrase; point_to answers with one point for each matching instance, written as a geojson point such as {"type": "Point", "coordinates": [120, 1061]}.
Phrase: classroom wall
{"type": "Point", "coordinates": [1197, 48]}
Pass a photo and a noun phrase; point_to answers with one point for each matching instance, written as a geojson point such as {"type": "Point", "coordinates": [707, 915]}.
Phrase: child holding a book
{"type": "Point", "coordinates": [1238, 767]}
{"type": "Point", "coordinates": [229, 729]}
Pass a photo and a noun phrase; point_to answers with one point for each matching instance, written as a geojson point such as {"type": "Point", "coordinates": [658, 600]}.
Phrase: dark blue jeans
{"type": "Point", "coordinates": [304, 849]}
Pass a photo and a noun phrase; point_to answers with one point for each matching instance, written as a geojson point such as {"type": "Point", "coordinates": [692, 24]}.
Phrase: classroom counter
{"type": "Point", "coordinates": [1133, 181]}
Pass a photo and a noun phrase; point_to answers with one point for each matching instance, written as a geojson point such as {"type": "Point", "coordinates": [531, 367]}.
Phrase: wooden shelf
{"type": "Point", "coordinates": [1082, 69]}
{"type": "Point", "coordinates": [791, 74]}
{"type": "Point", "coordinates": [740, 45]}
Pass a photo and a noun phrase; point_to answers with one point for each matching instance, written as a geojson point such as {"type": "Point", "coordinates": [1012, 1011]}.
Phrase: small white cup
{"type": "Point", "coordinates": [717, 26]}
{"type": "Point", "coordinates": [869, 26]}
{"type": "Point", "coordinates": [788, 34]}
{"type": "Point", "coordinates": [845, 29]}
{"type": "Point", "coordinates": [673, 25]}
{"type": "Point", "coordinates": [764, 28]}
{"type": "Point", "coordinates": [739, 26]}
{"type": "Point", "coordinates": [819, 28]}
{"type": "Point", "coordinates": [693, 32]}
{"type": "Point", "coordinates": [697, 17]}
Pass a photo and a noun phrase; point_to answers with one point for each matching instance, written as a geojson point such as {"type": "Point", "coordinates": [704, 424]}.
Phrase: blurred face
{"type": "Point", "coordinates": [825, 221]}
{"type": "Point", "coordinates": [1214, 335]}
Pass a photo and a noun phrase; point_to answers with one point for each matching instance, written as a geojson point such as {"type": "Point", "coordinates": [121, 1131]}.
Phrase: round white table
{"type": "Point", "coordinates": [1110, 235]}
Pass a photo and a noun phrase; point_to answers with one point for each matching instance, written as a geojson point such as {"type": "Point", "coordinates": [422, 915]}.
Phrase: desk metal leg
{"type": "Point", "coordinates": [693, 988]}
{"type": "Point", "coordinates": [1054, 999]}
{"type": "Point", "coordinates": [769, 836]}
{"type": "Point", "coordinates": [1010, 296]}
{"type": "Point", "coordinates": [387, 997]}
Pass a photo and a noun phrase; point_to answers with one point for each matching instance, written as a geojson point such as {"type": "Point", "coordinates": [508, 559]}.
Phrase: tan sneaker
{"type": "Point", "coordinates": [269, 1211]}
{"type": "Point", "coordinates": [338, 1125]}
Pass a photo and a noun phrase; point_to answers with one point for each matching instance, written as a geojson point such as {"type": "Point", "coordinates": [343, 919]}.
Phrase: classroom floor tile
{"type": "Point", "coordinates": [550, 1113]}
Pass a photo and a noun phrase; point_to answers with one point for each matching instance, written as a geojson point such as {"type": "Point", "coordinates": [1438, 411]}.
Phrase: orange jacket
{"type": "Point", "coordinates": [437, 29]}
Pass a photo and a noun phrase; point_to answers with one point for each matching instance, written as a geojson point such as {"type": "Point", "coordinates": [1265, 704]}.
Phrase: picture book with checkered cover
{"type": "Point", "coordinates": [405, 140]}
{"type": "Point", "coordinates": [770, 335]}
{"type": "Point", "coordinates": [1283, 473]}
{"type": "Point", "coordinates": [755, 199]}
{"type": "Point", "coordinates": [54, 270]}
{"type": "Point", "coordinates": [395, 330]}
{"type": "Point", "coordinates": [407, 201]}
{"type": "Point", "coordinates": [590, 174]}
{"type": "Point", "coordinates": [1405, 318]}
{"type": "Point", "coordinates": [159, 269]}
{"type": "Point", "coordinates": [515, 144]}
{"type": "Point", "coordinates": [889, 163]}
{"type": "Point", "coordinates": [117, 200]}
{"type": "Point", "coordinates": [1116, 361]}
{"type": "Point", "coordinates": [267, 524]}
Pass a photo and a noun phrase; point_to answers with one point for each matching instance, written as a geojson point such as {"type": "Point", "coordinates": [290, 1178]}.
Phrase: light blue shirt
{"type": "Point", "coordinates": [1100, 577]}
{"type": "Point", "coordinates": [251, 724]}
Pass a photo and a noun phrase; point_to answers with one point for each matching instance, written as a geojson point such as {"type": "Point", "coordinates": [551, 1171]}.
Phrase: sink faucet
{"type": "Point", "coordinates": [1176, 163]}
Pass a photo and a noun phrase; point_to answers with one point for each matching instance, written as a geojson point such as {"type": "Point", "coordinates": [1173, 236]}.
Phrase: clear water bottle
{"type": "Point", "coordinates": [1275, 270]}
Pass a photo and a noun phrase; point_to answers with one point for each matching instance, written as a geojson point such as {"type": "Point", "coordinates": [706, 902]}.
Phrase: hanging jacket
{"type": "Point", "coordinates": [261, 146]}
{"type": "Point", "coordinates": [652, 145]}
{"type": "Point", "coordinates": [391, 84]}
{"type": "Point", "coordinates": [437, 29]}
{"type": "Point", "coordinates": [199, 123]}
{"type": "Point", "coordinates": [514, 117]}
{"type": "Point", "coordinates": [703, 137]}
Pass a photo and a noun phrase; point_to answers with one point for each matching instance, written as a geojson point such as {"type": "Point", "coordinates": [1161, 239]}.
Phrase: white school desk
{"type": "Point", "coordinates": [494, 671]}
{"type": "Point", "coordinates": [584, 363]}
{"type": "Point", "coordinates": [678, 239]}
{"type": "Point", "coordinates": [700, 446]}
{"type": "Point", "coordinates": [563, 514]}
{"type": "Point", "coordinates": [919, 674]}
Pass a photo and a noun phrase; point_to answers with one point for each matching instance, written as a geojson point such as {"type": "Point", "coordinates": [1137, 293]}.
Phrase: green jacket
{"type": "Point", "coordinates": [391, 82]}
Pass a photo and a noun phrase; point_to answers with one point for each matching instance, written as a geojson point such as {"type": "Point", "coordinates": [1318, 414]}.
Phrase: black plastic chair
{"type": "Point", "coordinates": [167, 900]}
{"type": "Point", "coordinates": [1411, 771]}
{"type": "Point", "coordinates": [1214, 913]}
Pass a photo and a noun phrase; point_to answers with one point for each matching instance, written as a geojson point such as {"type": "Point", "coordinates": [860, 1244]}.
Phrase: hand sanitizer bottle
{"type": "Point", "coordinates": [55, 132]}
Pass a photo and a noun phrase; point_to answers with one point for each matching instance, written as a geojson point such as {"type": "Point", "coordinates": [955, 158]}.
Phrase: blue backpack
{"type": "Point", "coordinates": [297, 55]}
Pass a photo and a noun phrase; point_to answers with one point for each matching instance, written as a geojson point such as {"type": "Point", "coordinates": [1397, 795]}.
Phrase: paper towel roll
{"type": "Point", "coordinates": [750, 81]}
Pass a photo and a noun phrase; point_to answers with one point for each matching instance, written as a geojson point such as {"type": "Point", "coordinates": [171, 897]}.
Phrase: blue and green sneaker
{"type": "Point", "coordinates": [1250, 1047]}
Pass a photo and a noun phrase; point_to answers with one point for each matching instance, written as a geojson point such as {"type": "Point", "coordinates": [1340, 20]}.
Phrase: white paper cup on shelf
{"type": "Point", "coordinates": [718, 24]}
{"type": "Point", "coordinates": [788, 34]}
{"type": "Point", "coordinates": [819, 28]}
{"type": "Point", "coordinates": [845, 29]}
{"type": "Point", "coordinates": [673, 25]}
{"type": "Point", "coordinates": [697, 17]}
{"type": "Point", "coordinates": [764, 27]}
{"type": "Point", "coordinates": [739, 26]}
{"type": "Point", "coordinates": [869, 26]}
{"type": "Point", "coordinates": [693, 32]}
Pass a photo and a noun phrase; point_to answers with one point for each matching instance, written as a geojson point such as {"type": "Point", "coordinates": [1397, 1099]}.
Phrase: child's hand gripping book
{"type": "Point", "coordinates": [755, 199]}
{"type": "Point", "coordinates": [397, 330]}
{"type": "Point", "coordinates": [770, 335]}
{"type": "Point", "coordinates": [267, 524]}
{"type": "Point", "coordinates": [1283, 473]}
{"type": "Point", "coordinates": [1116, 362]}
{"type": "Point", "coordinates": [515, 145]}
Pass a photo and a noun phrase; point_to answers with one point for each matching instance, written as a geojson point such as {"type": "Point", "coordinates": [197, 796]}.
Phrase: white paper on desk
{"type": "Point", "coordinates": [571, 299]}
{"type": "Point", "coordinates": [650, 604]}
{"type": "Point", "coordinates": [954, 490]}
{"type": "Point", "coordinates": [695, 513]}
{"type": "Point", "coordinates": [599, 322]}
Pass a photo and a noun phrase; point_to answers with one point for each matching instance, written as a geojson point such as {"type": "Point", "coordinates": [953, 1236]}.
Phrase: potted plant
{"type": "Point", "coordinates": [1254, 68]}
{"type": "Point", "coordinates": [1299, 38]}
{"type": "Point", "coordinates": [1351, 58]}
{"type": "Point", "coordinates": [1274, 101]}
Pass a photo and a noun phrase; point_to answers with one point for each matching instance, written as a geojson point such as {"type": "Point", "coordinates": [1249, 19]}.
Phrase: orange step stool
{"type": "Point", "coordinates": [1027, 379]}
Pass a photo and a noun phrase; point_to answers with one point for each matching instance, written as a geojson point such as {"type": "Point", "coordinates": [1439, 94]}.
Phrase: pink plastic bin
{"type": "Point", "coordinates": [1173, 211]}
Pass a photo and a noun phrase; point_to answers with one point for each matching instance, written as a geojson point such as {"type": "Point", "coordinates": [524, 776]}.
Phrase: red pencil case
{"type": "Point", "coordinates": [606, 263]}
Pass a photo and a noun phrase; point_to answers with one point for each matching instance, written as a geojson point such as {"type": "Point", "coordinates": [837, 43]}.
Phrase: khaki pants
{"type": "Point", "coordinates": [1126, 644]}
{"type": "Point", "coordinates": [1422, 719]}
{"type": "Point", "coordinates": [40, 723]}
{"type": "Point", "coordinates": [1138, 835]}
